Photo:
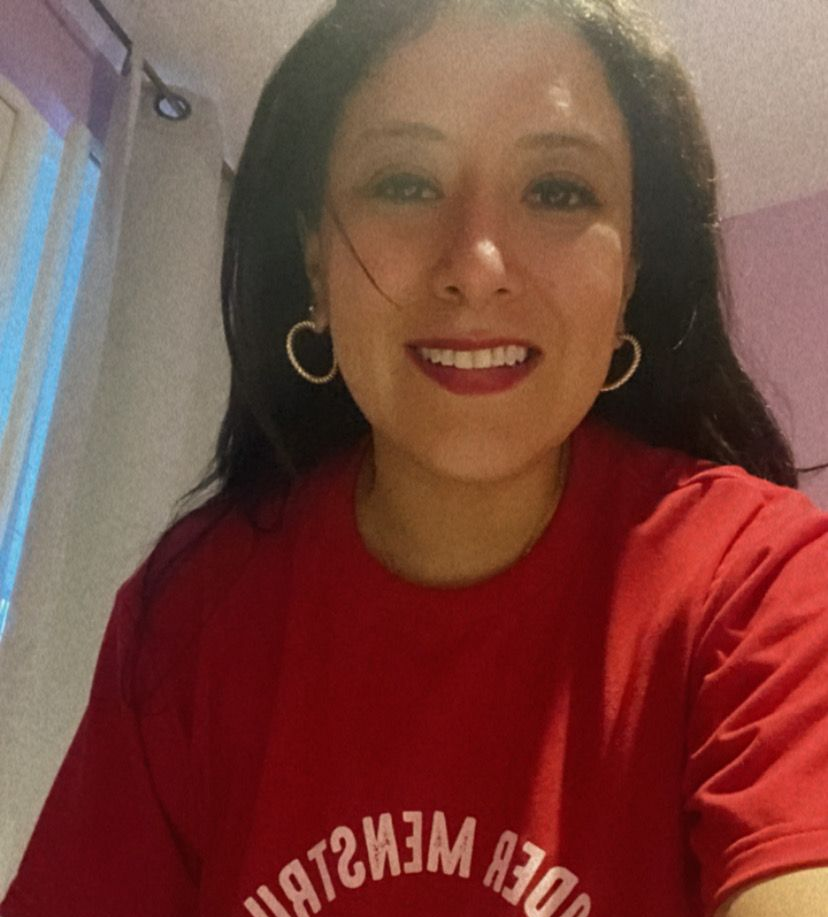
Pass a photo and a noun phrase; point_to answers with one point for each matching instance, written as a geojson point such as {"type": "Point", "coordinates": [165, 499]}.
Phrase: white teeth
{"type": "Point", "coordinates": [476, 359]}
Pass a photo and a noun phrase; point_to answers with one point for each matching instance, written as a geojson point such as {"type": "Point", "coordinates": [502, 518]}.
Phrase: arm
{"type": "Point", "coordinates": [757, 763]}
{"type": "Point", "coordinates": [803, 893]}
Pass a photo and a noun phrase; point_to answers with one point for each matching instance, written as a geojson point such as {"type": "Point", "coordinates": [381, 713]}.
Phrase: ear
{"type": "Point", "coordinates": [630, 277]}
{"type": "Point", "coordinates": [311, 252]}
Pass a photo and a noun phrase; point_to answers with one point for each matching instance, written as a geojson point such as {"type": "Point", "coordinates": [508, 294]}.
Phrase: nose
{"type": "Point", "coordinates": [473, 266]}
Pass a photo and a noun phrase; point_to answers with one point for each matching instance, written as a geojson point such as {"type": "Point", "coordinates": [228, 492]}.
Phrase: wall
{"type": "Point", "coordinates": [779, 271]}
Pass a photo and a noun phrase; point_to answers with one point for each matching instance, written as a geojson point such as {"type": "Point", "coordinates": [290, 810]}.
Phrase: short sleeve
{"type": "Point", "coordinates": [106, 841]}
{"type": "Point", "coordinates": [756, 780]}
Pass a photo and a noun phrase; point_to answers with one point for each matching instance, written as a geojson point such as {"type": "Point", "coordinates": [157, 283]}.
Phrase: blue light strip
{"type": "Point", "coordinates": [11, 547]}
{"type": "Point", "coordinates": [13, 332]}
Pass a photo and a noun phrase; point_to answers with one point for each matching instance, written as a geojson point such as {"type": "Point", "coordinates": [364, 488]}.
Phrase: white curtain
{"type": "Point", "coordinates": [40, 318]}
{"type": "Point", "coordinates": [142, 390]}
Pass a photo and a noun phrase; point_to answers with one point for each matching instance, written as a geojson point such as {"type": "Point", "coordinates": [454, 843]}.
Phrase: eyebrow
{"type": "Point", "coordinates": [547, 140]}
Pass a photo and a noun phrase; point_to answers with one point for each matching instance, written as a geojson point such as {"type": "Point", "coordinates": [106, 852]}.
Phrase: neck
{"type": "Point", "coordinates": [439, 531]}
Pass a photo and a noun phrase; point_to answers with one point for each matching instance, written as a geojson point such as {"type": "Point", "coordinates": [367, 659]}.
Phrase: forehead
{"type": "Point", "coordinates": [475, 74]}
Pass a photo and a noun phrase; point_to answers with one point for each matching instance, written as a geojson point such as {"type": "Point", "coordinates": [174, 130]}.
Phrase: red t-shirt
{"type": "Point", "coordinates": [628, 722]}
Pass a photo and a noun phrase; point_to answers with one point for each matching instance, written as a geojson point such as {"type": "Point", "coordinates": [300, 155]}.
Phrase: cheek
{"type": "Point", "coordinates": [365, 328]}
{"type": "Point", "coordinates": [369, 325]}
{"type": "Point", "coordinates": [585, 279]}
{"type": "Point", "coordinates": [397, 255]}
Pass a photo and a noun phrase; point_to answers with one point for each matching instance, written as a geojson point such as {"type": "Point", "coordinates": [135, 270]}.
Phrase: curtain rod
{"type": "Point", "coordinates": [117, 30]}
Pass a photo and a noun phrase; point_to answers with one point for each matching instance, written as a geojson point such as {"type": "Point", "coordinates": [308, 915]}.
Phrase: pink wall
{"type": "Point", "coordinates": [52, 65]}
{"type": "Point", "coordinates": [778, 261]}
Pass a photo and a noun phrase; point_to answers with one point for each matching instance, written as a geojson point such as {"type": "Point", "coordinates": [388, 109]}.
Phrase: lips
{"type": "Point", "coordinates": [475, 381]}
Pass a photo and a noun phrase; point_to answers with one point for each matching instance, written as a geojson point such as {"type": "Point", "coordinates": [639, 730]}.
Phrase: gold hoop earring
{"type": "Point", "coordinates": [632, 370]}
{"type": "Point", "coordinates": [317, 380]}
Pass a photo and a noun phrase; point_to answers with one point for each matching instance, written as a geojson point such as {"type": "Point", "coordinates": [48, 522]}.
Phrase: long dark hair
{"type": "Point", "coordinates": [690, 393]}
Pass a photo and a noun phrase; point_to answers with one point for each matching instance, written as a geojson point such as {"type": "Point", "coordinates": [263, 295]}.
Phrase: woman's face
{"type": "Point", "coordinates": [484, 177]}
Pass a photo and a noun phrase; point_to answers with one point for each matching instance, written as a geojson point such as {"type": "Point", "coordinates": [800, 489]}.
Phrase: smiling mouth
{"type": "Point", "coordinates": [477, 358]}
{"type": "Point", "coordinates": [475, 349]}
{"type": "Point", "coordinates": [465, 372]}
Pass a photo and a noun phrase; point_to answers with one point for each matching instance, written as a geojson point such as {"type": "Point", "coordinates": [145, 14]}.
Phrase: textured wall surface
{"type": "Point", "coordinates": [761, 73]}
{"type": "Point", "coordinates": [779, 269]}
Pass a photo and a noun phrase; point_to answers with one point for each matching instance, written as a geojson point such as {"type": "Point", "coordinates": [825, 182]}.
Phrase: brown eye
{"type": "Point", "coordinates": [556, 194]}
{"type": "Point", "coordinates": [405, 189]}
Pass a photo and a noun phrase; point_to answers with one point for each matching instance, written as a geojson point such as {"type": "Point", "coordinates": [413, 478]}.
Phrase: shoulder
{"type": "Point", "coordinates": [185, 586]}
{"type": "Point", "coordinates": [707, 528]}
{"type": "Point", "coordinates": [699, 491]}
{"type": "Point", "coordinates": [159, 609]}
{"type": "Point", "coordinates": [220, 540]}
{"type": "Point", "coordinates": [211, 541]}
{"type": "Point", "coordinates": [214, 569]}
{"type": "Point", "coordinates": [754, 552]}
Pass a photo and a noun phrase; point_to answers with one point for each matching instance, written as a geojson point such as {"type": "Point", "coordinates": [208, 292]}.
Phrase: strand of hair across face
{"type": "Point", "coordinates": [354, 252]}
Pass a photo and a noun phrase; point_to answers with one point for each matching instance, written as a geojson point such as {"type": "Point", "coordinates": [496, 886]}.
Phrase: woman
{"type": "Point", "coordinates": [515, 608]}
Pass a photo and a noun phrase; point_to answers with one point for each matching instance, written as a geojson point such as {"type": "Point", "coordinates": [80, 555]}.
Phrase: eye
{"type": "Point", "coordinates": [561, 194]}
{"type": "Point", "coordinates": [405, 188]}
